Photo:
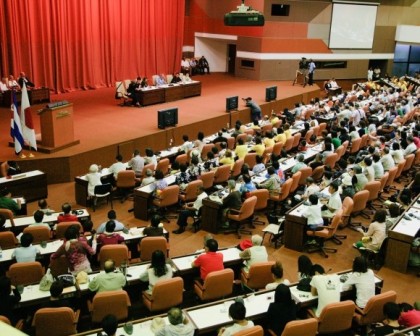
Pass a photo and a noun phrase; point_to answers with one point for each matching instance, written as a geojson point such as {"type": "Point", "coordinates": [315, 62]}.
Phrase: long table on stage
{"type": "Point", "coordinates": [31, 185]}
{"type": "Point", "coordinates": [35, 96]}
{"type": "Point", "coordinates": [168, 93]}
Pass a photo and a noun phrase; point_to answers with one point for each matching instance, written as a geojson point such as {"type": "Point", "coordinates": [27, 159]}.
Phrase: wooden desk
{"type": "Point", "coordinates": [31, 185]}
{"type": "Point", "coordinates": [173, 93]}
{"type": "Point", "coordinates": [400, 238]}
{"type": "Point", "coordinates": [35, 96]}
{"type": "Point", "coordinates": [210, 215]}
{"type": "Point", "coordinates": [169, 93]}
{"type": "Point", "coordinates": [152, 96]}
{"type": "Point", "coordinates": [81, 187]}
{"type": "Point", "coordinates": [294, 229]}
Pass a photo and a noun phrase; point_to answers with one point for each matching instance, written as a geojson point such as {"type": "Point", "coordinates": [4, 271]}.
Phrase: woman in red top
{"type": "Point", "coordinates": [109, 237]}
{"type": "Point", "coordinates": [76, 249]}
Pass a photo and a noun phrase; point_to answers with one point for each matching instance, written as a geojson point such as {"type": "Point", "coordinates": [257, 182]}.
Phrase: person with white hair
{"type": "Point", "coordinates": [256, 253]}
{"type": "Point", "coordinates": [93, 178]}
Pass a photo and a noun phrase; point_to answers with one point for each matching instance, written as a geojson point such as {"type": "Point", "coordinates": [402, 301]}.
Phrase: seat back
{"type": "Point", "coordinates": [182, 158]}
{"type": "Point", "coordinates": [409, 160]}
{"type": "Point", "coordinates": [4, 319]}
{"type": "Point", "coordinates": [222, 174]}
{"type": "Point", "coordinates": [102, 189]}
{"type": "Point", "coordinates": [4, 168]}
{"type": "Point", "coordinates": [150, 244]}
{"type": "Point", "coordinates": [7, 240]}
{"type": "Point", "coordinates": [61, 228]}
{"type": "Point", "coordinates": [246, 211]}
{"type": "Point", "coordinates": [218, 284]}
{"type": "Point", "coordinates": [345, 144]}
{"type": "Point", "coordinates": [330, 160]}
{"type": "Point", "coordinates": [308, 135]}
{"type": "Point", "coordinates": [296, 178]}
{"type": "Point", "coordinates": [110, 302]}
{"type": "Point", "coordinates": [59, 266]}
{"type": "Point", "coordinates": [374, 187]}
{"type": "Point", "coordinates": [208, 179]}
{"type": "Point", "coordinates": [190, 193]}
{"type": "Point", "coordinates": [305, 173]}
{"type": "Point", "coordinates": [392, 173]}
{"type": "Point", "coordinates": [25, 273]}
{"type": "Point", "coordinates": [296, 140]}
{"type": "Point", "coordinates": [318, 172]}
{"type": "Point", "coordinates": [40, 233]}
{"type": "Point", "coordinates": [278, 146]}
{"type": "Point", "coordinates": [126, 179]}
{"type": "Point", "coordinates": [118, 253]}
{"type": "Point", "coordinates": [150, 166]}
{"type": "Point", "coordinates": [262, 198]}
{"type": "Point", "coordinates": [364, 142]}
{"type": "Point", "coordinates": [168, 196]}
{"type": "Point", "coordinates": [340, 151]}
{"type": "Point", "coordinates": [8, 214]}
{"type": "Point", "coordinates": [285, 191]}
{"type": "Point", "coordinates": [360, 200]}
{"type": "Point", "coordinates": [166, 294]}
{"type": "Point", "coordinates": [336, 317]}
{"type": "Point", "coordinates": [253, 331]}
{"type": "Point", "coordinates": [400, 168]}
{"type": "Point", "coordinates": [383, 181]}
{"type": "Point", "coordinates": [316, 130]}
{"type": "Point", "coordinates": [417, 157]}
{"type": "Point", "coordinates": [288, 144]}
{"type": "Point", "coordinates": [237, 166]}
{"type": "Point", "coordinates": [267, 154]}
{"type": "Point", "coordinates": [347, 207]}
{"type": "Point", "coordinates": [373, 311]}
{"type": "Point", "coordinates": [206, 148]}
{"type": "Point", "coordinates": [259, 275]}
{"type": "Point", "coordinates": [266, 128]}
{"type": "Point", "coordinates": [231, 143]}
{"type": "Point", "coordinates": [250, 159]}
{"type": "Point", "coordinates": [163, 166]}
{"type": "Point", "coordinates": [46, 321]}
{"type": "Point", "coordinates": [355, 145]}
{"type": "Point", "coordinates": [306, 327]}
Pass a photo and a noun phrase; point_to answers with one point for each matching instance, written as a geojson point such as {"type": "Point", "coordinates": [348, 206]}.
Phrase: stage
{"type": "Point", "coordinates": [104, 128]}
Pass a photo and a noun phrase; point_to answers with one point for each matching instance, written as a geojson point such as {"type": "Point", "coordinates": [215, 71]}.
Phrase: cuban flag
{"type": "Point", "coordinates": [28, 130]}
{"type": "Point", "coordinates": [16, 127]}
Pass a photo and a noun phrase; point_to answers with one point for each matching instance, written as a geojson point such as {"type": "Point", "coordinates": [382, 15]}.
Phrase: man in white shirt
{"type": "Point", "coordinates": [311, 188]}
{"type": "Point", "coordinates": [187, 145]}
{"type": "Point", "coordinates": [334, 202]}
{"type": "Point", "coordinates": [326, 286]}
{"type": "Point", "coordinates": [136, 163]}
{"type": "Point", "coordinates": [108, 281]}
{"type": "Point", "coordinates": [255, 253]}
{"type": "Point", "coordinates": [313, 213]}
{"type": "Point", "coordinates": [190, 209]}
{"type": "Point", "coordinates": [387, 160]}
{"type": "Point", "coordinates": [117, 166]}
{"type": "Point", "coordinates": [411, 148]}
{"type": "Point", "coordinates": [377, 166]}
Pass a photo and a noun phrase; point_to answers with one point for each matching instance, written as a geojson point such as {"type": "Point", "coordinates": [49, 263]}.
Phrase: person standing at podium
{"type": "Point", "coordinates": [23, 79]}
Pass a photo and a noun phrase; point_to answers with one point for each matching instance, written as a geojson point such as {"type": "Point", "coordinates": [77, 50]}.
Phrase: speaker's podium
{"type": "Point", "coordinates": [57, 128]}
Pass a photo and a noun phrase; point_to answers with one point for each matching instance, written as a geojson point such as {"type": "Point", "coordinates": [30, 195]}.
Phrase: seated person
{"type": "Point", "coordinates": [149, 178]}
{"type": "Point", "coordinates": [203, 64]}
{"type": "Point", "coordinates": [391, 325]}
{"type": "Point", "coordinates": [247, 185]}
{"type": "Point", "coordinates": [26, 252]}
{"type": "Point", "coordinates": [161, 80]}
{"type": "Point", "coordinates": [254, 254]}
{"type": "Point", "coordinates": [157, 271]}
{"type": "Point", "coordinates": [334, 202]}
{"type": "Point", "coordinates": [44, 207]}
{"type": "Point", "coordinates": [232, 201]}
{"type": "Point", "coordinates": [376, 233]}
{"type": "Point", "coordinates": [7, 202]}
{"type": "Point", "coordinates": [109, 237]}
{"type": "Point", "coordinates": [56, 300]}
{"type": "Point", "coordinates": [94, 179]}
{"type": "Point", "coordinates": [109, 281]}
{"type": "Point", "coordinates": [190, 210]}
{"type": "Point", "coordinates": [409, 317]}
{"type": "Point", "coordinates": [155, 229]}
{"type": "Point", "coordinates": [38, 217]}
{"type": "Point", "coordinates": [209, 261]}
{"type": "Point", "coordinates": [176, 79]}
{"type": "Point", "coordinates": [237, 313]}
{"type": "Point", "coordinates": [277, 273]}
{"type": "Point", "coordinates": [179, 325]}
{"type": "Point", "coordinates": [313, 214]}
{"type": "Point", "coordinates": [66, 216]}
{"type": "Point", "coordinates": [282, 310]}
{"type": "Point", "coordinates": [112, 215]}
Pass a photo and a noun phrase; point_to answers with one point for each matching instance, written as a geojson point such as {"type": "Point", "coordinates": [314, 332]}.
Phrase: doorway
{"type": "Point", "coordinates": [231, 58]}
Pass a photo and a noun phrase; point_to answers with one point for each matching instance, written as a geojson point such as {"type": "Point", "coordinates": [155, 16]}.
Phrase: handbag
{"type": "Point", "coordinates": [67, 280]}
{"type": "Point", "coordinates": [304, 285]}
{"type": "Point", "coordinates": [46, 281]}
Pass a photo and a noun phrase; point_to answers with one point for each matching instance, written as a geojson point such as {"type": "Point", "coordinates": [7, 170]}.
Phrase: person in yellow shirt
{"type": "Point", "coordinates": [287, 131]}
{"type": "Point", "coordinates": [241, 149]}
{"type": "Point", "coordinates": [274, 119]}
{"type": "Point", "coordinates": [227, 159]}
{"type": "Point", "coordinates": [268, 140]}
{"type": "Point", "coordinates": [258, 147]}
{"type": "Point", "coordinates": [280, 137]}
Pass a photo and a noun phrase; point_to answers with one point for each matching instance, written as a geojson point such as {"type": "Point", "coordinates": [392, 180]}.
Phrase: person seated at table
{"type": "Point", "coordinates": [176, 78]}
{"type": "Point", "coordinates": [376, 233]}
{"type": "Point", "coordinates": [144, 83]}
{"type": "Point", "coordinates": [3, 85]}
{"type": "Point", "coordinates": [313, 214]}
{"type": "Point", "coordinates": [363, 279]}
{"type": "Point", "coordinates": [66, 216]}
{"type": "Point", "coordinates": [24, 79]}
{"type": "Point", "coordinates": [258, 147]}
{"type": "Point", "coordinates": [10, 297]}
{"type": "Point", "coordinates": [56, 300]}
{"type": "Point", "coordinates": [12, 83]}
{"type": "Point", "coordinates": [190, 210]}
{"type": "Point", "coordinates": [157, 271]}
{"type": "Point", "coordinates": [194, 169]}
{"type": "Point", "coordinates": [7, 202]}
{"type": "Point", "coordinates": [44, 207]}
{"type": "Point", "coordinates": [38, 218]}
{"type": "Point", "coordinates": [94, 179]}
{"type": "Point", "coordinates": [390, 325]}
{"type": "Point", "coordinates": [254, 254]}
{"type": "Point", "coordinates": [359, 179]}
{"type": "Point", "coordinates": [232, 201]}
{"type": "Point", "coordinates": [182, 179]}
{"type": "Point", "coordinates": [326, 286]}
{"type": "Point", "coordinates": [210, 260]}
{"type": "Point", "coordinates": [112, 216]}
{"type": "Point", "coordinates": [155, 229]}
{"type": "Point", "coordinates": [241, 149]}
{"type": "Point", "coordinates": [277, 274]}
{"type": "Point", "coordinates": [149, 178]}
{"type": "Point", "coordinates": [161, 80]}
{"type": "Point", "coordinates": [160, 182]}
{"type": "Point", "coordinates": [226, 158]}
{"type": "Point", "coordinates": [76, 250]}
{"type": "Point", "coordinates": [26, 252]}
{"type": "Point", "coordinates": [210, 162]}
{"type": "Point", "coordinates": [109, 281]}
{"type": "Point", "coordinates": [259, 166]}
{"type": "Point", "coordinates": [300, 163]}
{"type": "Point", "coordinates": [117, 166]}
{"type": "Point", "coordinates": [133, 91]}
{"type": "Point", "coordinates": [237, 313]}
{"type": "Point", "coordinates": [247, 185]}
{"type": "Point", "coordinates": [273, 183]}
{"type": "Point", "coordinates": [409, 317]}
{"type": "Point", "coordinates": [109, 325]}
{"type": "Point", "coordinates": [334, 202]}
{"type": "Point", "coordinates": [136, 163]}
{"type": "Point", "coordinates": [282, 310]}
{"type": "Point", "coordinates": [179, 325]}
{"type": "Point", "coordinates": [109, 237]}
{"type": "Point", "coordinates": [174, 168]}
{"type": "Point", "coordinates": [311, 188]}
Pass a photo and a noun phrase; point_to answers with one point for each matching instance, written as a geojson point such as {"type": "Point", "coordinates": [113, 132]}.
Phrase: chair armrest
{"type": "Point", "coordinates": [148, 296]}
{"type": "Point", "coordinates": [235, 211]}
{"type": "Point", "coordinates": [90, 306]}
{"type": "Point", "coordinates": [199, 284]}
{"type": "Point", "coordinates": [20, 324]}
{"type": "Point", "coordinates": [359, 311]}
{"type": "Point", "coordinates": [271, 332]}
{"type": "Point", "coordinates": [76, 316]}
{"type": "Point", "coordinates": [311, 313]}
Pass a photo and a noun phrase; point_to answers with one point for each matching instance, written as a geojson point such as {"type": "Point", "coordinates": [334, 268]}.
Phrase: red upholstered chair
{"type": "Point", "coordinates": [166, 294]}
{"type": "Point", "coordinates": [217, 285]}
{"type": "Point", "coordinates": [262, 202]}
{"type": "Point", "coordinates": [118, 253]}
{"type": "Point", "coordinates": [207, 178]}
{"type": "Point", "coordinates": [317, 173]}
{"type": "Point", "coordinates": [7, 240]}
{"type": "Point", "coordinates": [278, 146]}
{"type": "Point", "coordinates": [39, 233]}
{"type": "Point", "coordinates": [221, 174]}
{"type": "Point", "coordinates": [163, 166]}
{"type": "Point", "coordinates": [109, 302]}
{"type": "Point", "coordinates": [251, 159]}
{"type": "Point", "coordinates": [25, 273]}
{"type": "Point", "coordinates": [306, 172]}
{"type": "Point", "coordinates": [150, 244]}
{"type": "Point", "coordinates": [190, 192]}
{"type": "Point", "coordinates": [296, 178]}
{"type": "Point", "coordinates": [8, 214]}
{"type": "Point", "coordinates": [237, 166]}
{"type": "Point", "coordinates": [168, 197]}
{"type": "Point", "coordinates": [256, 330]}
{"type": "Point", "coordinates": [306, 327]}
{"type": "Point", "coordinates": [55, 321]}
{"type": "Point", "coordinates": [259, 275]}
{"type": "Point", "coordinates": [246, 212]}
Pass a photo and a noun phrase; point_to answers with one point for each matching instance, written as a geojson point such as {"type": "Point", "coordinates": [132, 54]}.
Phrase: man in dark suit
{"type": "Point", "coordinates": [220, 137]}
{"type": "Point", "coordinates": [23, 79]}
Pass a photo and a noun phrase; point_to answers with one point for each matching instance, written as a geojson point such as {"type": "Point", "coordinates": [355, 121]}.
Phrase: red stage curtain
{"type": "Point", "coordinates": [85, 44]}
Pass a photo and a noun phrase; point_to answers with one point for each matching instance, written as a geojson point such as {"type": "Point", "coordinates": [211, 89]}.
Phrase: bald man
{"type": "Point", "coordinates": [108, 281]}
